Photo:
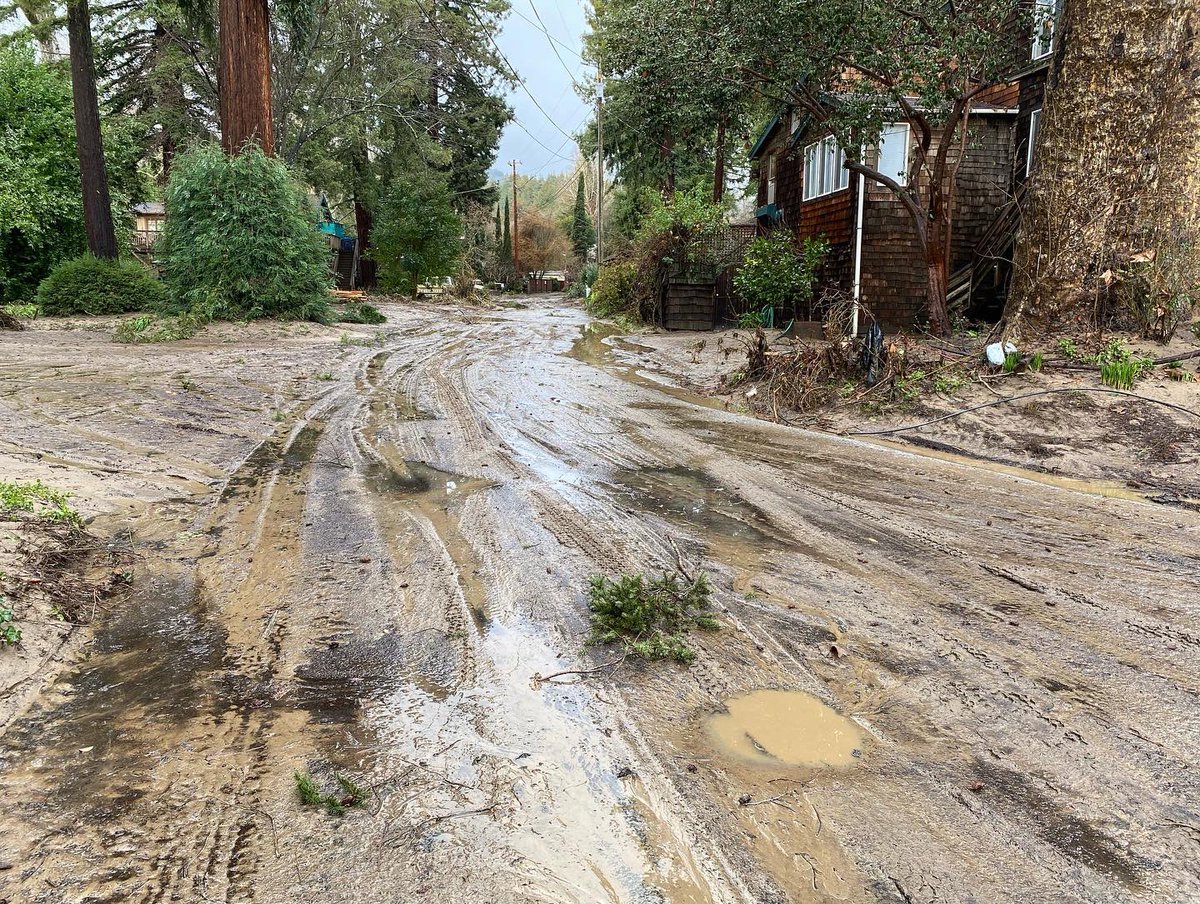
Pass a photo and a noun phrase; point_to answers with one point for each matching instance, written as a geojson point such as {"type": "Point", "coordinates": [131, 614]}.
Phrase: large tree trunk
{"type": "Point", "coordinates": [719, 163]}
{"type": "Point", "coordinates": [244, 81]}
{"type": "Point", "coordinates": [365, 266]}
{"type": "Point", "coordinates": [1116, 160]}
{"type": "Point", "coordinates": [93, 178]}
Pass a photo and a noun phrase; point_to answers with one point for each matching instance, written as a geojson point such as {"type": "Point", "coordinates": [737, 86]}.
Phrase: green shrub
{"type": "Point", "coordinates": [240, 242]}
{"type": "Point", "coordinates": [92, 285]}
{"type": "Point", "coordinates": [152, 328]}
{"type": "Point", "coordinates": [774, 273]}
{"type": "Point", "coordinates": [650, 617]}
{"type": "Point", "coordinates": [361, 312]}
{"type": "Point", "coordinates": [42, 502]}
{"type": "Point", "coordinates": [613, 293]}
{"type": "Point", "coordinates": [417, 235]}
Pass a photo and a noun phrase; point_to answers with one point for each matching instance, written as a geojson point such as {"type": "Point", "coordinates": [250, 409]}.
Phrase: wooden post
{"type": "Point", "coordinates": [516, 232]}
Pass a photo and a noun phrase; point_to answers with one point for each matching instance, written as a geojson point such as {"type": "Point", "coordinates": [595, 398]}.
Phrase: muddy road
{"type": "Point", "coordinates": [933, 681]}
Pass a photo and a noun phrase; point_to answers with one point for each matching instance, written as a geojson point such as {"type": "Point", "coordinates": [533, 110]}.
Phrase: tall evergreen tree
{"type": "Point", "coordinates": [97, 204]}
{"type": "Point", "coordinates": [244, 77]}
{"type": "Point", "coordinates": [499, 228]}
{"type": "Point", "coordinates": [506, 248]}
{"type": "Point", "coordinates": [583, 234]}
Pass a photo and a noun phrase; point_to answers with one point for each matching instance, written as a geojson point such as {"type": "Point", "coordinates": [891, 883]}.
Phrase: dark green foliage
{"type": "Point", "coordinates": [360, 312]}
{"type": "Point", "coordinates": [91, 285]}
{"type": "Point", "coordinates": [650, 617]}
{"type": "Point", "coordinates": [506, 246]}
{"type": "Point", "coordinates": [582, 233]}
{"type": "Point", "coordinates": [418, 233]}
{"type": "Point", "coordinates": [239, 240]}
{"type": "Point", "coordinates": [775, 273]}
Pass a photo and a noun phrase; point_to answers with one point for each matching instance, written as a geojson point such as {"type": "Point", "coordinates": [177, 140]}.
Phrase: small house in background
{"type": "Point", "coordinates": [149, 218]}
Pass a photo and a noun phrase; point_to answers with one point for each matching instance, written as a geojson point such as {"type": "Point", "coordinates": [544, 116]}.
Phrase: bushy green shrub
{"type": "Point", "coordinates": [240, 241]}
{"type": "Point", "coordinates": [418, 233]}
{"type": "Point", "coordinates": [774, 273]}
{"type": "Point", "coordinates": [92, 285]}
{"type": "Point", "coordinates": [360, 312]}
{"type": "Point", "coordinates": [613, 292]}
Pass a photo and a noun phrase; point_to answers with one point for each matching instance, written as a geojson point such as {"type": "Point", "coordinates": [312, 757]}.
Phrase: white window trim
{"type": "Point", "coordinates": [1045, 16]}
{"type": "Point", "coordinates": [841, 174]}
{"type": "Point", "coordinates": [772, 180]}
{"type": "Point", "coordinates": [1035, 123]}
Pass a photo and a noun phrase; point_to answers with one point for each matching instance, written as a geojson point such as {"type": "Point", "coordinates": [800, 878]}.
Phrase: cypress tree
{"type": "Point", "coordinates": [583, 235]}
{"type": "Point", "coordinates": [499, 231]}
{"type": "Point", "coordinates": [506, 243]}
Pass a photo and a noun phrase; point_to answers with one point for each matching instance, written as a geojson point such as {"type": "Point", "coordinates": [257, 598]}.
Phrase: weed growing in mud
{"type": "Point", "coordinates": [150, 328]}
{"type": "Point", "coordinates": [948, 384]}
{"type": "Point", "coordinates": [1119, 374]}
{"type": "Point", "coordinates": [39, 500]}
{"type": "Point", "coordinates": [24, 311]}
{"type": "Point", "coordinates": [345, 341]}
{"type": "Point", "coordinates": [1036, 362]}
{"type": "Point", "coordinates": [650, 617]}
{"type": "Point", "coordinates": [10, 634]}
{"type": "Point", "coordinates": [1011, 362]}
{"type": "Point", "coordinates": [325, 376]}
{"type": "Point", "coordinates": [351, 794]}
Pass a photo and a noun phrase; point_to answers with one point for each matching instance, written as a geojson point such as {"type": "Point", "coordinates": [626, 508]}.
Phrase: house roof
{"type": "Point", "coordinates": [764, 137]}
{"type": "Point", "coordinates": [150, 207]}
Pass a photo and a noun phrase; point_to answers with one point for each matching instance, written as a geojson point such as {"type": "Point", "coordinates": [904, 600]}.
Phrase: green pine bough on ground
{"type": "Point", "coordinates": [650, 617]}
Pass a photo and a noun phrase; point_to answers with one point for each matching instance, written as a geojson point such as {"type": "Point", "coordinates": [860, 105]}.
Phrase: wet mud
{"type": "Point", "coordinates": [932, 680]}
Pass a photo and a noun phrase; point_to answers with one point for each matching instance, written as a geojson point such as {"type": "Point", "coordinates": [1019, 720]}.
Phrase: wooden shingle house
{"type": "Point", "coordinates": [875, 258]}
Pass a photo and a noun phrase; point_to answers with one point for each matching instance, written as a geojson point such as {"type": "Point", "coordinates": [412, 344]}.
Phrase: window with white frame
{"type": "Point", "coordinates": [1045, 12]}
{"type": "Point", "coordinates": [1035, 122]}
{"type": "Point", "coordinates": [823, 169]}
{"type": "Point", "coordinates": [893, 151]}
{"type": "Point", "coordinates": [771, 179]}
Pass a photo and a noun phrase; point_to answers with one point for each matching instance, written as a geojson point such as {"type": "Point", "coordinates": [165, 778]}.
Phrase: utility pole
{"type": "Point", "coordinates": [600, 169]}
{"type": "Point", "coordinates": [516, 232]}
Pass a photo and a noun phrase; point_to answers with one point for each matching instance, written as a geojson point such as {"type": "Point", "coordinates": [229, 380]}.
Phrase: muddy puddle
{"type": "Point", "coordinates": [775, 727]}
{"type": "Point", "coordinates": [594, 347]}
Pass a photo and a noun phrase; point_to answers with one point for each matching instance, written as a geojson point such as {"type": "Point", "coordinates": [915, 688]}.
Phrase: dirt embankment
{"type": "Point", "coordinates": [1077, 430]}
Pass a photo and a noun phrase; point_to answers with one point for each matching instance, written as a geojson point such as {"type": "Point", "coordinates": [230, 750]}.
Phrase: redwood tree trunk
{"type": "Point", "coordinates": [1116, 163]}
{"type": "Point", "coordinates": [93, 178]}
{"type": "Point", "coordinates": [719, 164]}
{"type": "Point", "coordinates": [244, 79]}
{"type": "Point", "coordinates": [363, 221]}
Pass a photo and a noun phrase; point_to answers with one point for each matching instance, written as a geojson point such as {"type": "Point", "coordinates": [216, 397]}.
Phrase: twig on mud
{"type": "Point", "coordinates": [539, 679]}
{"type": "Point", "coordinates": [679, 559]}
{"type": "Point", "coordinates": [811, 866]}
{"type": "Point", "coordinates": [768, 800]}
{"type": "Point", "coordinates": [478, 811]}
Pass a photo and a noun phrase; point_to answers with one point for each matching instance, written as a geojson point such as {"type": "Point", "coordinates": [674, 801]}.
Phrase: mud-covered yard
{"type": "Point", "coordinates": [353, 551]}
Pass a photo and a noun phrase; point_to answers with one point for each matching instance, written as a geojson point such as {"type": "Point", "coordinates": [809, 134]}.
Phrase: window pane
{"type": "Point", "coordinates": [893, 151]}
{"type": "Point", "coordinates": [830, 174]}
{"type": "Point", "coordinates": [810, 171]}
{"type": "Point", "coordinates": [843, 173]}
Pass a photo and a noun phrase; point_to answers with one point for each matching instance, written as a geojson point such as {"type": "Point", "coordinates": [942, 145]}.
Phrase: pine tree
{"type": "Point", "coordinates": [583, 235]}
{"type": "Point", "coordinates": [499, 230]}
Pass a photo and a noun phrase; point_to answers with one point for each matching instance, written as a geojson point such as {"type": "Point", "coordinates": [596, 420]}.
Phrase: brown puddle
{"type": "Point", "coordinates": [773, 727]}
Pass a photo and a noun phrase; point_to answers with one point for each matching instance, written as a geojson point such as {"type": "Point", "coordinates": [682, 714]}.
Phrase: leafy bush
{"type": "Point", "coordinates": [239, 240]}
{"type": "Point", "coordinates": [613, 292]}
{"type": "Point", "coordinates": [41, 209]}
{"type": "Point", "coordinates": [361, 312]}
{"type": "Point", "coordinates": [650, 617]}
{"type": "Point", "coordinates": [349, 794]}
{"type": "Point", "coordinates": [418, 233]}
{"type": "Point", "coordinates": [775, 274]}
{"type": "Point", "coordinates": [92, 285]}
{"type": "Point", "coordinates": [153, 328]}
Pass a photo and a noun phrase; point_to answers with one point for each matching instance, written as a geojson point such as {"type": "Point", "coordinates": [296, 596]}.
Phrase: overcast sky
{"type": "Point", "coordinates": [538, 137]}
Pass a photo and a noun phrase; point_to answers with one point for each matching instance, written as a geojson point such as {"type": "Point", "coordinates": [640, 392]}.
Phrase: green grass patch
{"type": "Point", "coordinates": [650, 617]}
{"type": "Point", "coordinates": [43, 502]}
{"type": "Point", "coordinates": [10, 632]}
{"type": "Point", "coordinates": [24, 311]}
